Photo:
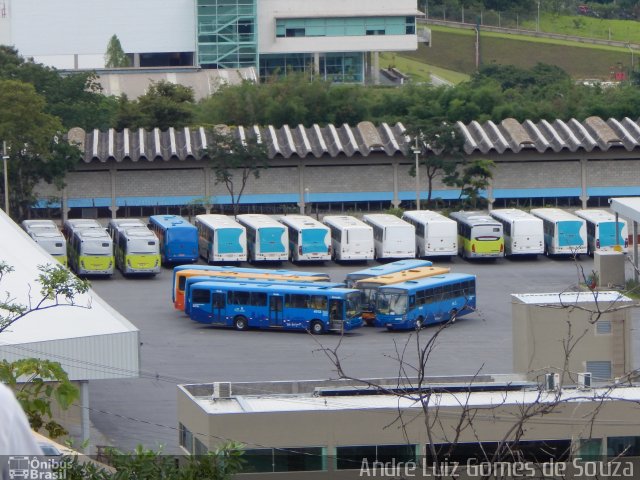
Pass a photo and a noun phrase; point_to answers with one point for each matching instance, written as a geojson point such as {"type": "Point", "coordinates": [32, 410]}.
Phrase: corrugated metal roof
{"type": "Point", "coordinates": [92, 341]}
{"type": "Point", "coordinates": [362, 139]}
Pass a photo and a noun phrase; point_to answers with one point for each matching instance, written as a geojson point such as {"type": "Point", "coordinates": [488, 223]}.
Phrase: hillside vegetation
{"type": "Point", "coordinates": [454, 49]}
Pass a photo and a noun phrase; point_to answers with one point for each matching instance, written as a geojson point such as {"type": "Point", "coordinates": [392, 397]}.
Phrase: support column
{"type": "Point", "coordinates": [65, 204]}
{"type": "Point", "coordinates": [316, 63]}
{"type": "Point", "coordinates": [206, 171]}
{"type": "Point", "coordinates": [490, 198]}
{"type": "Point", "coordinates": [635, 251]}
{"type": "Point", "coordinates": [583, 170]}
{"type": "Point", "coordinates": [112, 178]}
{"type": "Point", "coordinates": [396, 200]}
{"type": "Point", "coordinates": [376, 68]}
{"type": "Point", "coordinates": [302, 200]}
{"type": "Point", "coordinates": [85, 422]}
{"type": "Point", "coordinates": [136, 60]}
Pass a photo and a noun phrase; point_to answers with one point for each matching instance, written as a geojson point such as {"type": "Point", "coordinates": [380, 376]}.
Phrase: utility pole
{"type": "Point", "coordinates": [5, 159]}
{"type": "Point", "coordinates": [417, 152]}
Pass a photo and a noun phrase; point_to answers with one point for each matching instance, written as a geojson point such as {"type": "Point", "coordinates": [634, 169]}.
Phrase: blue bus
{"type": "Point", "coordinates": [191, 281]}
{"type": "Point", "coordinates": [385, 269]}
{"type": "Point", "coordinates": [233, 268]}
{"type": "Point", "coordinates": [416, 303]}
{"type": "Point", "coordinates": [281, 307]}
{"type": "Point", "coordinates": [178, 238]}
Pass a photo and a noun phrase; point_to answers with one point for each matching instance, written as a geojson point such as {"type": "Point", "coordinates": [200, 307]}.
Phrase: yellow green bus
{"type": "Point", "coordinates": [53, 242]}
{"type": "Point", "coordinates": [479, 235]}
{"type": "Point", "coordinates": [369, 286]}
{"type": "Point", "coordinates": [91, 252]}
{"type": "Point", "coordinates": [137, 251]}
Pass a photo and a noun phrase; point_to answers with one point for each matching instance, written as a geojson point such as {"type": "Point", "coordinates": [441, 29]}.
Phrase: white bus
{"type": "Point", "coordinates": [601, 231]}
{"type": "Point", "coordinates": [309, 240]}
{"type": "Point", "coordinates": [392, 237]}
{"type": "Point", "coordinates": [52, 241]}
{"type": "Point", "coordinates": [38, 225]}
{"type": "Point", "coordinates": [351, 239]}
{"type": "Point", "coordinates": [436, 235]}
{"type": "Point", "coordinates": [117, 224]}
{"type": "Point", "coordinates": [267, 239]}
{"type": "Point", "coordinates": [71, 225]}
{"type": "Point", "coordinates": [564, 233]}
{"type": "Point", "coordinates": [136, 250]}
{"type": "Point", "coordinates": [91, 252]}
{"type": "Point", "coordinates": [523, 232]}
{"type": "Point", "coordinates": [221, 239]}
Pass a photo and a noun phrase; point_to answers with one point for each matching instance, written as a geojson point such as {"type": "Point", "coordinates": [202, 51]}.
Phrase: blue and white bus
{"type": "Point", "coordinates": [281, 307]}
{"type": "Point", "coordinates": [601, 231]}
{"type": "Point", "coordinates": [378, 270]}
{"type": "Point", "coordinates": [221, 239]}
{"type": "Point", "coordinates": [267, 239]}
{"type": "Point", "coordinates": [178, 238]}
{"type": "Point", "coordinates": [564, 233]}
{"type": "Point", "coordinates": [233, 268]}
{"type": "Point", "coordinates": [191, 281]}
{"type": "Point", "coordinates": [417, 303]}
{"type": "Point", "coordinates": [309, 240]}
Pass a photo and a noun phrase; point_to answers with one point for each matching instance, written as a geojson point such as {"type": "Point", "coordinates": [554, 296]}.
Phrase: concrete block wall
{"type": "Point", "coordinates": [146, 183]}
{"type": "Point", "coordinates": [613, 173]}
{"type": "Point", "coordinates": [537, 174]}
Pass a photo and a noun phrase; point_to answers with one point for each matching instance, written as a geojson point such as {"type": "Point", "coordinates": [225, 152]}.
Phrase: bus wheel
{"type": "Point", "coordinates": [240, 323]}
{"type": "Point", "coordinates": [453, 315]}
{"type": "Point", "coordinates": [419, 323]}
{"type": "Point", "coordinates": [316, 327]}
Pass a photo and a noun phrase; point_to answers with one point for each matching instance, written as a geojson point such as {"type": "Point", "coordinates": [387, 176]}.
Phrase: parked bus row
{"type": "Point", "coordinates": [291, 300]}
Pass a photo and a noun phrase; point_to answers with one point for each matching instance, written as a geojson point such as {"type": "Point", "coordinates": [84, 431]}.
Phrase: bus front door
{"type": "Point", "coordinates": [336, 309]}
{"type": "Point", "coordinates": [218, 307]}
{"type": "Point", "coordinates": [275, 311]}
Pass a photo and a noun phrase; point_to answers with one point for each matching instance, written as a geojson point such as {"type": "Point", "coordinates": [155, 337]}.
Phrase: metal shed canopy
{"type": "Point", "coordinates": [94, 342]}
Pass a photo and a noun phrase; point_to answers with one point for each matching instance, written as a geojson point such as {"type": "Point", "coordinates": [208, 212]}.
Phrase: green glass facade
{"type": "Point", "coordinates": [345, 27]}
{"type": "Point", "coordinates": [341, 67]}
{"type": "Point", "coordinates": [227, 33]}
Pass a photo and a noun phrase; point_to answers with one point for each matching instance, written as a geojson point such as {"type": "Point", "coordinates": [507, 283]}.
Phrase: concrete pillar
{"type": "Point", "coordinates": [65, 204]}
{"type": "Point", "coordinates": [583, 171]}
{"type": "Point", "coordinates": [76, 63]}
{"type": "Point", "coordinates": [112, 178]}
{"type": "Point", "coordinates": [396, 199]}
{"type": "Point", "coordinates": [85, 422]}
{"type": "Point", "coordinates": [316, 63]}
{"type": "Point", "coordinates": [206, 171]}
{"type": "Point", "coordinates": [635, 251]}
{"type": "Point", "coordinates": [490, 198]}
{"type": "Point", "coordinates": [136, 60]}
{"type": "Point", "coordinates": [301, 193]}
{"type": "Point", "coordinates": [376, 68]}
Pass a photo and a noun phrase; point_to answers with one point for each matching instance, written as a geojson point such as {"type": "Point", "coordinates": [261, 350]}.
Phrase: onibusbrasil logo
{"type": "Point", "coordinates": [36, 468]}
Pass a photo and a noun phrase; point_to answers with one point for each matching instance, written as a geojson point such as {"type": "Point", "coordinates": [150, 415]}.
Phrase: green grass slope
{"type": "Point", "coordinates": [455, 50]}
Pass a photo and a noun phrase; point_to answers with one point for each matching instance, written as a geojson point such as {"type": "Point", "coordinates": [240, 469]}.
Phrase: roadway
{"type": "Point", "coordinates": [176, 350]}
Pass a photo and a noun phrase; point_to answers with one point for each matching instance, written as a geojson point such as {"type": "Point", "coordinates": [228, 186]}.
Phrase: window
{"type": "Point", "coordinates": [318, 302]}
{"type": "Point", "coordinates": [352, 457]}
{"type": "Point", "coordinates": [297, 301]}
{"type": "Point", "coordinates": [200, 448]}
{"type": "Point", "coordinates": [240, 298]}
{"type": "Point", "coordinates": [589, 449]}
{"type": "Point", "coordinates": [285, 459]}
{"type": "Point", "coordinates": [200, 296]}
{"type": "Point", "coordinates": [623, 446]}
{"type": "Point", "coordinates": [258, 299]}
{"type": "Point", "coordinates": [600, 370]}
{"type": "Point", "coordinates": [186, 438]}
{"type": "Point", "coordinates": [603, 327]}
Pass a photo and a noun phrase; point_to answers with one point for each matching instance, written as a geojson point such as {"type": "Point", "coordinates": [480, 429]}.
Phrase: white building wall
{"type": "Point", "coordinates": [54, 31]}
{"type": "Point", "coordinates": [270, 10]}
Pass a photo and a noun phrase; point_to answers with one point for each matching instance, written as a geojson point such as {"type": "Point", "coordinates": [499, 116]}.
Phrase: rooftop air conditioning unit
{"type": "Point", "coordinates": [221, 390]}
{"type": "Point", "coordinates": [584, 380]}
{"type": "Point", "coordinates": [552, 381]}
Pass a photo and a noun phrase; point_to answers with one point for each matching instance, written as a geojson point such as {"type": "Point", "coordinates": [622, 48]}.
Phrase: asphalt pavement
{"type": "Point", "coordinates": [176, 350]}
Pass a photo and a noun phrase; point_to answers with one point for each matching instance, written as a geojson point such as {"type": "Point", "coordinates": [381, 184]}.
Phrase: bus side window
{"type": "Point", "coordinates": [412, 300]}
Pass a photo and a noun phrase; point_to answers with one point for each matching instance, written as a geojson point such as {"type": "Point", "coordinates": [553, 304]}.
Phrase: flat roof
{"type": "Point", "coordinates": [91, 340]}
{"type": "Point", "coordinates": [570, 297]}
{"type": "Point", "coordinates": [627, 207]}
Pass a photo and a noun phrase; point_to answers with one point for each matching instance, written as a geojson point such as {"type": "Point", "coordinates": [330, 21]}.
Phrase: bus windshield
{"type": "Point", "coordinates": [139, 246]}
{"type": "Point", "coordinates": [389, 303]}
{"type": "Point", "coordinates": [484, 233]}
{"type": "Point", "coordinates": [368, 293]}
{"type": "Point", "coordinates": [353, 304]}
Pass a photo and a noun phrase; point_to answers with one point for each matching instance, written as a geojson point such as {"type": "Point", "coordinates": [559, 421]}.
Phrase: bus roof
{"type": "Point", "coordinates": [302, 221]}
{"type": "Point", "coordinates": [384, 220]}
{"type": "Point", "coordinates": [404, 275]}
{"type": "Point", "coordinates": [256, 220]}
{"type": "Point", "coordinates": [426, 216]}
{"type": "Point", "coordinates": [512, 214]}
{"type": "Point", "coordinates": [214, 221]}
{"type": "Point", "coordinates": [76, 222]}
{"type": "Point", "coordinates": [139, 232]}
{"type": "Point", "coordinates": [170, 221]}
{"type": "Point", "coordinates": [344, 221]}
{"type": "Point", "coordinates": [430, 281]}
{"type": "Point", "coordinates": [233, 268]}
{"type": "Point", "coordinates": [40, 224]}
{"type": "Point", "coordinates": [46, 233]}
{"type": "Point", "coordinates": [266, 274]}
{"type": "Point", "coordinates": [554, 214]}
{"type": "Point", "coordinates": [310, 288]}
{"type": "Point", "coordinates": [118, 223]}
{"type": "Point", "coordinates": [93, 233]}
{"type": "Point", "coordinates": [474, 218]}
{"type": "Point", "coordinates": [388, 268]}
{"type": "Point", "coordinates": [263, 281]}
{"type": "Point", "coordinates": [597, 215]}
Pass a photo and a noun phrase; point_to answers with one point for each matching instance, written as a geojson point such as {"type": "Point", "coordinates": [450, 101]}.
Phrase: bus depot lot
{"type": "Point", "coordinates": [177, 350]}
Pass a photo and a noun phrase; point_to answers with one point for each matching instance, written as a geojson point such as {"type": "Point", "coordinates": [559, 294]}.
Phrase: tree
{"type": "Point", "coordinates": [37, 150]}
{"type": "Point", "coordinates": [234, 160]}
{"type": "Point", "coordinates": [115, 56]}
{"type": "Point", "coordinates": [45, 380]}
{"type": "Point", "coordinates": [474, 179]}
{"type": "Point", "coordinates": [440, 146]}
